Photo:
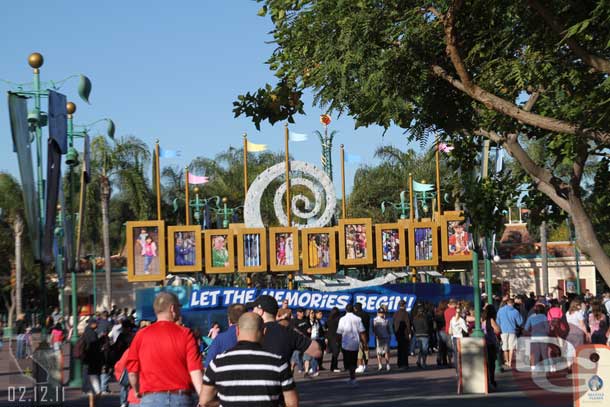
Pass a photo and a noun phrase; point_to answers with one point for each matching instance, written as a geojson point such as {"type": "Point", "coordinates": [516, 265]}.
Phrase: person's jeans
{"type": "Point", "coordinates": [105, 378]}
{"type": "Point", "coordinates": [422, 343]}
{"type": "Point", "coordinates": [123, 395]}
{"type": "Point", "coordinates": [441, 356]}
{"type": "Point", "coordinates": [413, 346]}
{"type": "Point", "coordinates": [147, 261]}
{"type": "Point", "coordinates": [166, 400]}
{"type": "Point", "coordinates": [297, 357]}
{"type": "Point", "coordinates": [20, 354]}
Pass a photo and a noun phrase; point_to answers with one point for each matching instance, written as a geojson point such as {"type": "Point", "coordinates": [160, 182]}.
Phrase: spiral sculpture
{"type": "Point", "coordinates": [309, 177]}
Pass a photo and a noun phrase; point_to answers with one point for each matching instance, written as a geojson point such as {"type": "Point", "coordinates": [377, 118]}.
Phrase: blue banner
{"type": "Point", "coordinates": [217, 297]}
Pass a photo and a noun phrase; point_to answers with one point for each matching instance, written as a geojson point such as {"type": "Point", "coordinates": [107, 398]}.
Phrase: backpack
{"type": "Point", "coordinates": [80, 348]}
{"type": "Point", "coordinates": [559, 327]}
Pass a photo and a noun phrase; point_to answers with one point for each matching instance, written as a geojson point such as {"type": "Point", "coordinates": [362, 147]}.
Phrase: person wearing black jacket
{"type": "Point", "coordinates": [93, 357]}
{"type": "Point", "coordinates": [332, 340]}
{"type": "Point", "coordinates": [402, 331]}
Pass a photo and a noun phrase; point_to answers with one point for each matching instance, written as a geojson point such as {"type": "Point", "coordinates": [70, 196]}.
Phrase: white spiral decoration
{"type": "Point", "coordinates": [320, 185]}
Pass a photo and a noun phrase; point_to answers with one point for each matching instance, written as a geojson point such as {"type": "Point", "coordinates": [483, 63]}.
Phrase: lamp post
{"type": "Point", "coordinates": [403, 206]}
{"type": "Point", "coordinates": [94, 272]}
{"type": "Point", "coordinates": [37, 119]}
{"type": "Point", "coordinates": [72, 161]}
{"type": "Point", "coordinates": [198, 204]}
{"type": "Point", "coordinates": [59, 260]}
{"type": "Point", "coordinates": [225, 212]}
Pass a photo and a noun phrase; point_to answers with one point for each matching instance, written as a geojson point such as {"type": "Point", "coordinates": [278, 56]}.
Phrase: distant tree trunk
{"type": "Point", "coordinates": [18, 230]}
{"type": "Point", "coordinates": [105, 186]}
{"type": "Point", "coordinates": [545, 258]}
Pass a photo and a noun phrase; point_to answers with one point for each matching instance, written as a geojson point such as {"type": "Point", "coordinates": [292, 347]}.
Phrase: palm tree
{"type": "Point", "coordinates": [121, 164]}
{"type": "Point", "coordinates": [12, 208]}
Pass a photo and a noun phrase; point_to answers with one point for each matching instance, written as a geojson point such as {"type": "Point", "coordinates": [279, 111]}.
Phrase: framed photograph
{"type": "Point", "coordinates": [146, 251]}
{"type": "Point", "coordinates": [318, 249]}
{"type": "Point", "coordinates": [219, 251]}
{"type": "Point", "coordinates": [284, 249]}
{"type": "Point", "coordinates": [391, 245]}
{"type": "Point", "coordinates": [423, 244]}
{"type": "Point", "coordinates": [251, 250]}
{"type": "Point", "coordinates": [456, 236]}
{"type": "Point", "coordinates": [355, 241]}
{"type": "Point", "coordinates": [184, 248]}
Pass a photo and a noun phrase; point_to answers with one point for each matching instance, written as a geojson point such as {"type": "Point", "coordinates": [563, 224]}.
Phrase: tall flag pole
{"type": "Point", "coordinates": [411, 213]}
{"type": "Point", "coordinates": [245, 165]}
{"type": "Point", "coordinates": [438, 179]}
{"type": "Point", "coordinates": [186, 196]}
{"type": "Point", "coordinates": [343, 203]}
{"type": "Point", "coordinates": [286, 137]}
{"type": "Point", "coordinates": [158, 180]}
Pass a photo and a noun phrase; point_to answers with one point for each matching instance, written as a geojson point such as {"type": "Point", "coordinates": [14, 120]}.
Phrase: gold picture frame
{"type": "Point", "coordinates": [388, 255]}
{"type": "Point", "coordinates": [284, 249]}
{"type": "Point", "coordinates": [352, 252]}
{"type": "Point", "coordinates": [455, 243]}
{"type": "Point", "coordinates": [423, 249]}
{"type": "Point", "coordinates": [318, 247]}
{"type": "Point", "coordinates": [146, 251]}
{"type": "Point", "coordinates": [251, 250]}
{"type": "Point", "coordinates": [184, 248]}
{"type": "Point", "coordinates": [214, 255]}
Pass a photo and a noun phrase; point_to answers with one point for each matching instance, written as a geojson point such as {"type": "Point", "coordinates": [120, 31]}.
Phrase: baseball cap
{"type": "Point", "coordinates": [266, 302]}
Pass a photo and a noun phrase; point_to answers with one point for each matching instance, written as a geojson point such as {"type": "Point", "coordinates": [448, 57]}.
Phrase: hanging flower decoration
{"type": "Point", "coordinates": [325, 119]}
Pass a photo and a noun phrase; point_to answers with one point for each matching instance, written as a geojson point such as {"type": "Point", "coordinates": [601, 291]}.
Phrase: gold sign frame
{"type": "Point", "coordinates": [428, 224]}
{"type": "Point", "coordinates": [132, 276]}
{"type": "Point", "coordinates": [229, 266]}
{"type": "Point", "coordinates": [403, 246]}
{"type": "Point", "coordinates": [306, 234]}
{"type": "Point", "coordinates": [344, 246]}
{"type": "Point", "coordinates": [454, 216]}
{"type": "Point", "coordinates": [273, 254]}
{"type": "Point", "coordinates": [171, 248]}
{"type": "Point", "coordinates": [241, 233]}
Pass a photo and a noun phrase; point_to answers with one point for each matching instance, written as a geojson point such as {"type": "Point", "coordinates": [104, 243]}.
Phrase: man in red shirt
{"type": "Point", "coordinates": [449, 314]}
{"type": "Point", "coordinates": [164, 363]}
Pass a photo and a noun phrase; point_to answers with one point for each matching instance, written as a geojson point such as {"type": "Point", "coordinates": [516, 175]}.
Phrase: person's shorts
{"type": "Point", "coordinates": [383, 347]}
{"type": "Point", "coordinates": [509, 341]}
{"type": "Point", "coordinates": [296, 357]}
{"type": "Point", "coordinates": [350, 359]}
{"type": "Point", "coordinates": [363, 352]}
{"type": "Point", "coordinates": [307, 357]}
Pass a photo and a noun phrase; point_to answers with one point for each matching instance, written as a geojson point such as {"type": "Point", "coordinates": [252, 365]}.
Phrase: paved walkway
{"type": "Point", "coordinates": [412, 387]}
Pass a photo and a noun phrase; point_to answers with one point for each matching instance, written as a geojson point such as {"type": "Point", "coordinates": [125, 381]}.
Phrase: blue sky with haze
{"type": "Point", "coordinates": [166, 70]}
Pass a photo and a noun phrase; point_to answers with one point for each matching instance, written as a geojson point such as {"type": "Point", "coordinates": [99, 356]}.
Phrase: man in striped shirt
{"type": "Point", "coordinates": [247, 375]}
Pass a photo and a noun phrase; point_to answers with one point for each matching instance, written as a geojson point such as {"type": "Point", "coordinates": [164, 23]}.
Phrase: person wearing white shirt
{"type": "Point", "coordinates": [351, 332]}
{"type": "Point", "coordinates": [457, 329]}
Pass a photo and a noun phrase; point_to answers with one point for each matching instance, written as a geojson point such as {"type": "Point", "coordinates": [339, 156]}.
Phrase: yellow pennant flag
{"type": "Point", "coordinates": [256, 148]}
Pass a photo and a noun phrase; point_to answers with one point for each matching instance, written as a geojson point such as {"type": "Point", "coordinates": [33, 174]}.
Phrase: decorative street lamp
{"type": "Point", "coordinates": [59, 260]}
{"type": "Point", "coordinates": [199, 207]}
{"type": "Point", "coordinates": [403, 206]}
{"type": "Point", "coordinates": [72, 161]}
{"type": "Point", "coordinates": [225, 212]}
{"type": "Point", "coordinates": [37, 119]}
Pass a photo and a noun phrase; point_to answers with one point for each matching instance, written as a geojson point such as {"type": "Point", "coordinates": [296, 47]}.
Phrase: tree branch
{"type": "Point", "coordinates": [531, 101]}
{"type": "Point", "coordinates": [595, 62]}
{"type": "Point", "coordinates": [542, 178]}
{"type": "Point", "coordinates": [509, 109]}
{"type": "Point", "coordinates": [451, 44]}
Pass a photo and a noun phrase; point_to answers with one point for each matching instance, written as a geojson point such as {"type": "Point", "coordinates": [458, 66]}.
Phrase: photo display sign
{"type": "Point", "coordinates": [251, 250]}
{"type": "Point", "coordinates": [355, 241]}
{"type": "Point", "coordinates": [456, 236]}
{"type": "Point", "coordinates": [391, 245]}
{"type": "Point", "coordinates": [146, 251]}
{"type": "Point", "coordinates": [219, 252]}
{"type": "Point", "coordinates": [318, 249]}
{"type": "Point", "coordinates": [423, 244]}
{"type": "Point", "coordinates": [284, 249]}
{"type": "Point", "coordinates": [184, 248]}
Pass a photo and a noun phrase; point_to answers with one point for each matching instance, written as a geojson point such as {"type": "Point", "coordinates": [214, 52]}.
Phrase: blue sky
{"type": "Point", "coordinates": [164, 71]}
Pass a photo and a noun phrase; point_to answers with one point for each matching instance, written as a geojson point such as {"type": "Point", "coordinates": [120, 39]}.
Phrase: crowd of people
{"type": "Point", "coordinates": [266, 344]}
